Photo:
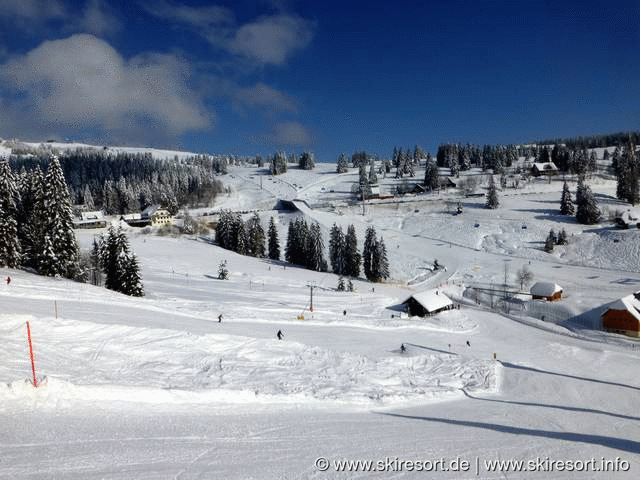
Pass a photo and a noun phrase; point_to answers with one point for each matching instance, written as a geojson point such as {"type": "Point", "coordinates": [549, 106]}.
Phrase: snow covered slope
{"type": "Point", "coordinates": [157, 387]}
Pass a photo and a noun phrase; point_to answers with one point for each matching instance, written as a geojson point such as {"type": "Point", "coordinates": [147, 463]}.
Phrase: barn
{"type": "Point", "coordinates": [546, 291]}
{"type": "Point", "coordinates": [426, 303]}
{"type": "Point", "coordinates": [623, 316]}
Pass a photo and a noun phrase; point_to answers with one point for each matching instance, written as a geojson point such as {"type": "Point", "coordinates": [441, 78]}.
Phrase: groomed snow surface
{"type": "Point", "coordinates": [159, 388]}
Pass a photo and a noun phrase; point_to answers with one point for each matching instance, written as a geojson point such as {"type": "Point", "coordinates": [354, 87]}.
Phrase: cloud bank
{"type": "Point", "coordinates": [82, 82]}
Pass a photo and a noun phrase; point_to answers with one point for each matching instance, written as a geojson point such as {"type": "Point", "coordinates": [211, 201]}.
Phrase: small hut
{"type": "Point", "coordinates": [623, 316]}
{"type": "Point", "coordinates": [426, 303]}
{"type": "Point", "coordinates": [546, 291]}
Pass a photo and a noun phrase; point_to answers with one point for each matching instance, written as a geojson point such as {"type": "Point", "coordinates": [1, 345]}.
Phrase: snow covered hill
{"type": "Point", "coordinates": [157, 387]}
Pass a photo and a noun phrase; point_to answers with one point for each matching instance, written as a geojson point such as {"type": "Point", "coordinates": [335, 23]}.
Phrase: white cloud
{"type": "Point", "coordinates": [98, 18]}
{"type": "Point", "coordinates": [32, 10]}
{"type": "Point", "coordinates": [290, 134]}
{"type": "Point", "coordinates": [81, 83]}
{"type": "Point", "coordinates": [272, 39]}
{"type": "Point", "coordinates": [264, 97]}
{"type": "Point", "coordinates": [199, 17]}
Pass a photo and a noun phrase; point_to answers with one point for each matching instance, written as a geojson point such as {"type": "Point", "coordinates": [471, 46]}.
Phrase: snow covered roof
{"type": "Point", "coordinates": [431, 300]}
{"type": "Point", "coordinates": [545, 166]}
{"type": "Point", "coordinates": [631, 303]}
{"type": "Point", "coordinates": [97, 215]}
{"type": "Point", "coordinates": [545, 289]}
{"type": "Point", "coordinates": [629, 216]}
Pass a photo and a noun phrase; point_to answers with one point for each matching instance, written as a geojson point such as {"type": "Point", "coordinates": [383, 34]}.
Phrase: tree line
{"type": "Point", "coordinates": [120, 183]}
{"type": "Point", "coordinates": [305, 246]}
{"type": "Point", "coordinates": [36, 231]}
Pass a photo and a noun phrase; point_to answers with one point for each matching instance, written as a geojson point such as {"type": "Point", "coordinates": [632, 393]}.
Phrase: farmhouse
{"type": "Point", "coordinates": [156, 215]}
{"type": "Point", "coordinates": [426, 303]}
{"type": "Point", "coordinates": [546, 290]}
{"type": "Point", "coordinates": [544, 168]}
{"type": "Point", "coordinates": [623, 316]}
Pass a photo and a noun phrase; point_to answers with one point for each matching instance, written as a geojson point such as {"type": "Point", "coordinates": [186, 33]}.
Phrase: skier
{"type": "Point", "coordinates": [8, 280]}
{"type": "Point", "coordinates": [468, 344]}
{"type": "Point", "coordinates": [220, 318]}
{"type": "Point", "coordinates": [279, 334]}
{"type": "Point", "coordinates": [403, 348]}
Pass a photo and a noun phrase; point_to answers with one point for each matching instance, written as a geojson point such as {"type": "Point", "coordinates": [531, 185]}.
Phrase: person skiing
{"type": "Point", "coordinates": [8, 280]}
{"type": "Point", "coordinates": [279, 334]}
{"type": "Point", "coordinates": [468, 344]}
{"type": "Point", "coordinates": [220, 318]}
{"type": "Point", "coordinates": [403, 348]}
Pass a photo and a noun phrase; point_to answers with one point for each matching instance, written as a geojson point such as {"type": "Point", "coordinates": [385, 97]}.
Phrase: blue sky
{"type": "Point", "coordinates": [251, 77]}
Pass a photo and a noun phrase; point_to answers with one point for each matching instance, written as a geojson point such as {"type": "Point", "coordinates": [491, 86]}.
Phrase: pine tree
{"type": "Point", "coordinates": [274, 243]}
{"type": "Point", "coordinates": [242, 245]}
{"type": "Point", "coordinates": [30, 214]}
{"type": "Point", "coordinates": [9, 242]}
{"type": "Point", "coordinates": [278, 164]}
{"type": "Point", "coordinates": [120, 266]}
{"type": "Point", "coordinates": [87, 198]}
{"type": "Point", "coordinates": [94, 264]}
{"type": "Point", "coordinates": [256, 237]}
{"type": "Point", "coordinates": [373, 178]}
{"type": "Point", "coordinates": [367, 251]}
{"type": "Point", "coordinates": [566, 203]}
{"type": "Point", "coordinates": [587, 211]}
{"type": "Point", "coordinates": [550, 242]}
{"type": "Point", "coordinates": [223, 272]}
{"type": "Point", "coordinates": [62, 258]}
{"type": "Point", "coordinates": [337, 250]}
{"type": "Point", "coordinates": [431, 175]}
{"type": "Point", "coordinates": [628, 174]}
{"type": "Point", "coordinates": [343, 164]}
{"type": "Point", "coordinates": [382, 262]}
{"type": "Point", "coordinates": [316, 249]}
{"type": "Point", "coordinates": [352, 256]}
{"type": "Point", "coordinates": [341, 286]}
{"type": "Point", "coordinates": [307, 161]}
{"type": "Point", "coordinates": [561, 239]}
{"type": "Point", "coordinates": [292, 243]}
{"type": "Point", "coordinates": [132, 279]}
{"type": "Point", "coordinates": [363, 182]}
{"type": "Point", "coordinates": [492, 195]}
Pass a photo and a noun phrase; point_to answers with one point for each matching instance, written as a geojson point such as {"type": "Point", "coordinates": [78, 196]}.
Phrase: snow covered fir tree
{"type": "Point", "coordinates": [566, 203]}
{"type": "Point", "coordinates": [374, 257]}
{"type": "Point", "coordinates": [274, 241]}
{"type": "Point", "coordinates": [587, 211]}
{"type": "Point", "coordinates": [492, 195]}
{"type": "Point", "coordinates": [119, 264]}
{"type": "Point", "coordinates": [9, 243]}
{"type": "Point", "coordinates": [59, 251]}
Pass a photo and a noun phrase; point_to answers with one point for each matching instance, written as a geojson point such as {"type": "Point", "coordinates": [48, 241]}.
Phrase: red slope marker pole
{"type": "Point", "coordinates": [33, 363]}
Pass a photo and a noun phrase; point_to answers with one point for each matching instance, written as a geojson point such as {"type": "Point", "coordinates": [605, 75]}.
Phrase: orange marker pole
{"type": "Point", "coordinates": [33, 363]}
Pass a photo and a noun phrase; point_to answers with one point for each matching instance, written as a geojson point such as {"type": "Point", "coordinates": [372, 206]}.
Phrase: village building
{"type": "Point", "coordinates": [544, 168]}
{"type": "Point", "coordinates": [427, 303]}
{"type": "Point", "coordinates": [156, 216]}
{"type": "Point", "coordinates": [623, 316]}
{"type": "Point", "coordinates": [90, 220]}
{"type": "Point", "coordinates": [546, 291]}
